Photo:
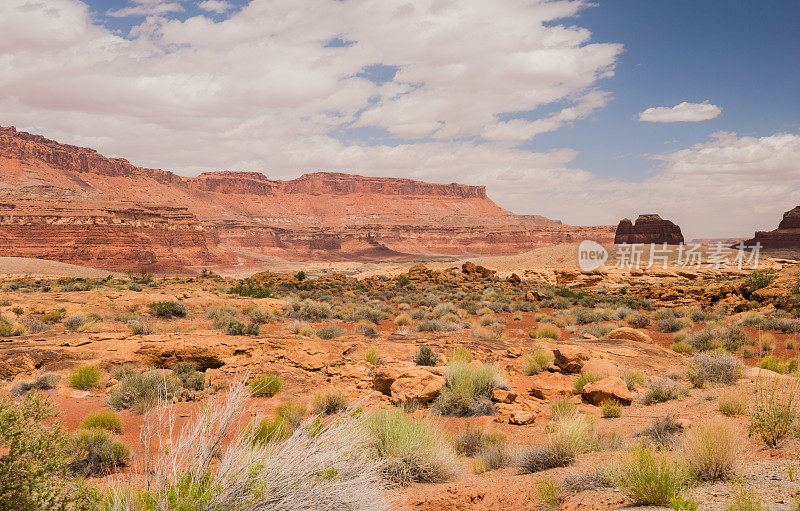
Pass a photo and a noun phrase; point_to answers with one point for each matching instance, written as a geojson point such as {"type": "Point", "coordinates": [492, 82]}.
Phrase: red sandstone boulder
{"type": "Point", "coordinates": [571, 358]}
{"type": "Point", "coordinates": [607, 388]}
{"type": "Point", "coordinates": [629, 334]}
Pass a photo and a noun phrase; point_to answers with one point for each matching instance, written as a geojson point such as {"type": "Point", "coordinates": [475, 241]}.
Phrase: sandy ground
{"type": "Point", "coordinates": [44, 268]}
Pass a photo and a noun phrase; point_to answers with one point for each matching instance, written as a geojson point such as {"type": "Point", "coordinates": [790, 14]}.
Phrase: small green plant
{"type": "Point", "coordinates": [743, 499]}
{"type": "Point", "coordinates": [266, 385]}
{"type": "Point", "coordinates": [84, 377]}
{"type": "Point", "coordinates": [467, 390]}
{"type": "Point", "coordinates": [372, 357]}
{"type": "Point", "coordinates": [140, 391]}
{"type": "Point", "coordinates": [759, 280]}
{"type": "Point", "coordinates": [537, 361]}
{"type": "Point", "coordinates": [652, 477]}
{"type": "Point", "coordinates": [168, 309]}
{"type": "Point", "coordinates": [104, 419]}
{"type": "Point", "coordinates": [584, 379]}
{"type": "Point", "coordinates": [550, 493]}
{"type": "Point", "coordinates": [97, 452]}
{"type": "Point", "coordinates": [329, 401]}
{"type": "Point", "coordinates": [633, 378]}
{"type": "Point", "coordinates": [425, 356]}
{"type": "Point", "coordinates": [611, 409]}
{"type": "Point", "coordinates": [683, 347]}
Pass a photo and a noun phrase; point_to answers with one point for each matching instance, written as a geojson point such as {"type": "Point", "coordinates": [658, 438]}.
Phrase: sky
{"type": "Point", "coordinates": [581, 111]}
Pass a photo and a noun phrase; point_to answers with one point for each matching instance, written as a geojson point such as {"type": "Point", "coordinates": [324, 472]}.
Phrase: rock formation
{"type": "Point", "coordinates": [648, 229]}
{"type": "Point", "coordinates": [72, 204]}
{"type": "Point", "coordinates": [786, 236]}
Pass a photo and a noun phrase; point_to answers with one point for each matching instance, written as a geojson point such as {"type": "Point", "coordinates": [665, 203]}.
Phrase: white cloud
{"type": "Point", "coordinates": [146, 8]}
{"type": "Point", "coordinates": [215, 6]}
{"type": "Point", "coordinates": [682, 112]}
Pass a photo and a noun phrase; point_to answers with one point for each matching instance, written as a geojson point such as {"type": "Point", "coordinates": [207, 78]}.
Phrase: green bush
{"type": "Point", "coordinates": [266, 385]}
{"type": "Point", "coordinates": [467, 390]}
{"type": "Point", "coordinates": [97, 452]}
{"type": "Point", "coordinates": [309, 310]}
{"type": "Point", "coordinates": [652, 477]}
{"type": "Point", "coordinates": [186, 372]}
{"type": "Point", "coordinates": [775, 409]}
{"type": "Point", "coordinates": [288, 416]}
{"type": "Point", "coordinates": [413, 450]}
{"type": "Point", "coordinates": [251, 288]}
{"type": "Point", "coordinates": [611, 408]}
{"type": "Point", "coordinates": [330, 332]}
{"type": "Point", "coordinates": [168, 309]}
{"type": "Point", "coordinates": [54, 316]}
{"type": "Point", "coordinates": [104, 419]}
{"type": "Point", "coordinates": [140, 391]}
{"type": "Point", "coordinates": [34, 464]}
{"type": "Point", "coordinates": [759, 280]}
{"type": "Point", "coordinates": [236, 327]}
{"type": "Point", "coordinates": [425, 356]}
{"type": "Point", "coordinates": [329, 401]}
{"type": "Point", "coordinates": [84, 377]}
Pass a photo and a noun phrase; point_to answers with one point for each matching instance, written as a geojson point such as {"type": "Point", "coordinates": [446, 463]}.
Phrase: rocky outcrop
{"type": "Point", "coordinates": [72, 204]}
{"type": "Point", "coordinates": [648, 229]}
{"type": "Point", "coordinates": [786, 236]}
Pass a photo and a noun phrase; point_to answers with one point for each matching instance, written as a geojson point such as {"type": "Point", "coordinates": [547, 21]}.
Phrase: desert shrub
{"type": "Point", "coordinates": [432, 325]}
{"type": "Point", "coordinates": [403, 319]}
{"type": "Point", "coordinates": [7, 328]}
{"type": "Point", "coordinates": [493, 332]}
{"type": "Point", "coordinates": [753, 319]}
{"type": "Point", "coordinates": [537, 361]}
{"type": "Point", "coordinates": [666, 313]}
{"type": "Point", "coordinates": [372, 357]}
{"type": "Point", "coordinates": [710, 450]}
{"type": "Point", "coordinates": [774, 411]}
{"type": "Point", "coordinates": [778, 365]}
{"type": "Point", "coordinates": [742, 499]}
{"type": "Point", "coordinates": [662, 431]}
{"type": "Point", "coordinates": [562, 407]}
{"type": "Point", "coordinates": [460, 354]}
{"type": "Point", "coordinates": [548, 332]}
{"type": "Point", "coordinates": [701, 316]}
{"type": "Point", "coordinates": [329, 401]}
{"type": "Point", "coordinates": [784, 325]}
{"type": "Point", "coordinates": [716, 366]}
{"type": "Point", "coordinates": [139, 327]}
{"type": "Point", "coordinates": [683, 347]}
{"type": "Point", "coordinates": [188, 375]}
{"type": "Point", "coordinates": [251, 288]}
{"type": "Point", "coordinates": [425, 356]}
{"type": "Point", "coordinates": [670, 324]}
{"type": "Point", "coordinates": [567, 437]}
{"type": "Point", "coordinates": [54, 316]}
{"type": "Point", "coordinates": [467, 390]}
{"type": "Point", "coordinates": [550, 493]}
{"type": "Point", "coordinates": [584, 316]}
{"type": "Point", "coordinates": [633, 378]}
{"type": "Point", "coordinates": [366, 328]}
{"type": "Point", "coordinates": [43, 382]}
{"type": "Point", "coordinates": [133, 286]}
{"type": "Point", "coordinates": [662, 390]}
{"type": "Point", "coordinates": [84, 377]}
{"type": "Point", "coordinates": [585, 378]}
{"type": "Point", "coordinates": [34, 464]}
{"type": "Point", "coordinates": [103, 419]}
{"type": "Point", "coordinates": [652, 477]}
{"type": "Point", "coordinates": [759, 280]}
{"type": "Point", "coordinates": [74, 321]}
{"type": "Point", "coordinates": [638, 320]}
{"type": "Point", "coordinates": [330, 332]}
{"type": "Point", "coordinates": [288, 416]}
{"type": "Point", "coordinates": [309, 310]}
{"type": "Point", "coordinates": [140, 391]}
{"type": "Point", "coordinates": [236, 327]}
{"type": "Point", "coordinates": [34, 326]}
{"type": "Point", "coordinates": [444, 309]}
{"type": "Point", "coordinates": [413, 450]}
{"type": "Point", "coordinates": [472, 441]}
{"type": "Point", "coordinates": [97, 452]}
{"type": "Point", "coordinates": [266, 385]}
{"type": "Point", "coordinates": [732, 402]}
{"type": "Point", "coordinates": [261, 316]}
{"type": "Point", "coordinates": [167, 309]}
{"type": "Point", "coordinates": [611, 408]}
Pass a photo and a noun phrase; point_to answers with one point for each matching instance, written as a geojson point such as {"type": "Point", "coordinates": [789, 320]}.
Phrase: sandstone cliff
{"type": "Point", "coordinates": [72, 204]}
{"type": "Point", "coordinates": [648, 229]}
{"type": "Point", "coordinates": [786, 236]}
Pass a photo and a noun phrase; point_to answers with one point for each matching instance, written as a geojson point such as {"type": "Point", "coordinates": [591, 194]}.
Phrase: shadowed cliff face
{"type": "Point", "coordinates": [786, 236]}
{"type": "Point", "coordinates": [72, 204]}
{"type": "Point", "coordinates": [648, 229]}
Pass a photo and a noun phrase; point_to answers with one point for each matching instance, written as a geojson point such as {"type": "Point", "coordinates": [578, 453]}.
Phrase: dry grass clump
{"type": "Point", "coordinates": [537, 361]}
{"type": "Point", "coordinates": [611, 408]}
{"type": "Point", "coordinates": [743, 499]}
{"type": "Point", "coordinates": [97, 452]}
{"type": "Point", "coordinates": [489, 449]}
{"type": "Point", "coordinates": [550, 493]}
{"type": "Point", "coordinates": [662, 431]}
{"type": "Point", "coordinates": [435, 325]}
{"type": "Point", "coordinates": [266, 385]}
{"type": "Point", "coordinates": [567, 437]}
{"type": "Point", "coordinates": [413, 450]}
{"type": "Point", "coordinates": [711, 449]}
{"type": "Point", "coordinates": [403, 319]}
{"type": "Point", "coordinates": [662, 390]}
{"type": "Point", "coordinates": [84, 377]}
{"type": "Point", "coordinates": [652, 477]}
{"type": "Point", "coordinates": [329, 401]}
{"type": "Point", "coordinates": [633, 378]}
{"type": "Point", "coordinates": [460, 354]}
{"type": "Point", "coordinates": [42, 382]}
{"type": "Point", "coordinates": [670, 325]}
{"type": "Point", "coordinates": [103, 419]}
{"type": "Point", "coordinates": [548, 332]}
{"type": "Point", "coordinates": [733, 402]}
{"type": "Point", "coordinates": [584, 379]}
{"type": "Point", "coordinates": [74, 321]}
{"type": "Point", "coordinates": [562, 407]}
{"type": "Point", "coordinates": [330, 332]}
{"type": "Point", "coordinates": [467, 390]}
{"type": "Point", "coordinates": [139, 391]}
